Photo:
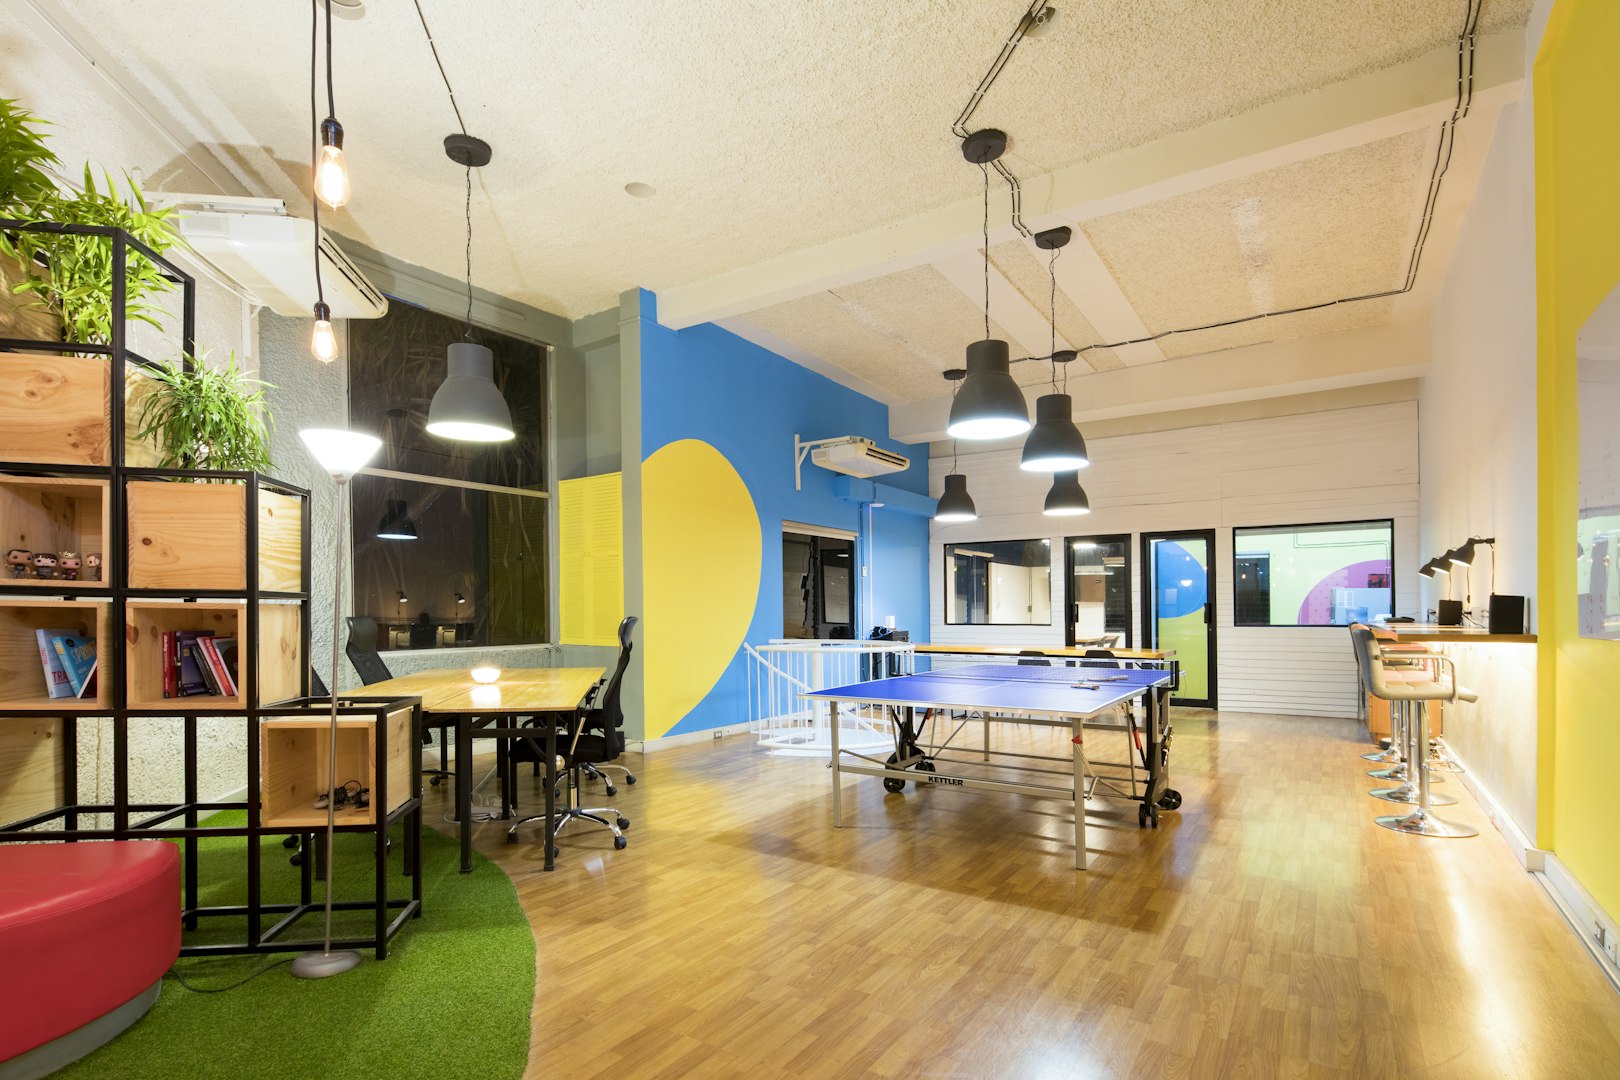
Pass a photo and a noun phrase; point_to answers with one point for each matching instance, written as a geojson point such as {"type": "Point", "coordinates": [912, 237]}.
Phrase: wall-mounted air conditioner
{"type": "Point", "coordinates": [266, 251]}
{"type": "Point", "coordinates": [850, 455]}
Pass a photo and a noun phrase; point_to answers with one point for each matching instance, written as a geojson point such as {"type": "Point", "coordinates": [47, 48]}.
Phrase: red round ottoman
{"type": "Point", "coordinates": [87, 931]}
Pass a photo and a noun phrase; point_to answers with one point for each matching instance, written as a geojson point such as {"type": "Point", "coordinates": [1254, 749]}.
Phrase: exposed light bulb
{"type": "Point", "coordinates": [323, 343]}
{"type": "Point", "coordinates": [331, 174]}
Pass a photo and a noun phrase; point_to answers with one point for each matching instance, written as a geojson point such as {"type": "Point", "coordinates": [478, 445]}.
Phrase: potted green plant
{"type": "Point", "coordinates": [24, 182]}
{"type": "Point", "coordinates": [202, 416]}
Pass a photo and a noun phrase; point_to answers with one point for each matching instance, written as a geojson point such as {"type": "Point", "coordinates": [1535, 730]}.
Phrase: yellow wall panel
{"type": "Point", "coordinates": [590, 559]}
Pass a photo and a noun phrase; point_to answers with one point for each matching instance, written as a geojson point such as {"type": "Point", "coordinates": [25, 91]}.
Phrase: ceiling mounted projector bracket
{"type": "Point", "coordinates": [1052, 239]}
{"type": "Point", "coordinates": [983, 147]}
{"type": "Point", "coordinates": [467, 151]}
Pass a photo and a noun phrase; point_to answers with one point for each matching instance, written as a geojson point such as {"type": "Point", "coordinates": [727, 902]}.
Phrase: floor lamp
{"type": "Point", "coordinates": [342, 454]}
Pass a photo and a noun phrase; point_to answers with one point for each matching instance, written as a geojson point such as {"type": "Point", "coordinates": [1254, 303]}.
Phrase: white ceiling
{"type": "Point", "coordinates": [777, 132]}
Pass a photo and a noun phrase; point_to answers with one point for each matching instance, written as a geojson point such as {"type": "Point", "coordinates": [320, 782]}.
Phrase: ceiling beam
{"type": "Point", "coordinates": [1273, 369]}
{"type": "Point", "coordinates": [1086, 280]}
{"type": "Point", "coordinates": [1379, 105]}
{"type": "Point", "coordinates": [1028, 326]}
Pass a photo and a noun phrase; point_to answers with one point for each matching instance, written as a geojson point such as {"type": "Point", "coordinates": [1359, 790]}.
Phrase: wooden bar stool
{"type": "Point", "coordinates": [1412, 695]}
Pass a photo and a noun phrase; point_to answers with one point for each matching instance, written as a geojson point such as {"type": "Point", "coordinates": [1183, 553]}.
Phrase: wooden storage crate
{"type": "Point", "coordinates": [293, 762]}
{"type": "Point", "coordinates": [54, 515]}
{"type": "Point", "coordinates": [53, 409]}
{"type": "Point", "coordinates": [22, 677]}
{"type": "Point", "coordinates": [194, 536]}
{"type": "Point", "coordinates": [30, 767]}
{"type": "Point", "coordinates": [279, 655]}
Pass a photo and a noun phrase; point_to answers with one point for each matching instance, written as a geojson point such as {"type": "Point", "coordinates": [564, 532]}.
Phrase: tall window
{"type": "Point", "coordinates": [475, 574]}
{"type": "Point", "coordinates": [1100, 590]}
{"type": "Point", "coordinates": [1005, 582]}
{"type": "Point", "coordinates": [1313, 575]}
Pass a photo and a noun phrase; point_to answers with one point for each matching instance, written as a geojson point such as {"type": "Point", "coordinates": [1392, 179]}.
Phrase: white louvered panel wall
{"type": "Point", "coordinates": [1341, 465]}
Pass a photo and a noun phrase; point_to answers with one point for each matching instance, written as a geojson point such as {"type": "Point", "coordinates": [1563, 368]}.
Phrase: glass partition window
{"type": "Point", "coordinates": [1101, 583]}
{"type": "Point", "coordinates": [1597, 524]}
{"type": "Point", "coordinates": [1313, 575]}
{"type": "Point", "coordinates": [999, 583]}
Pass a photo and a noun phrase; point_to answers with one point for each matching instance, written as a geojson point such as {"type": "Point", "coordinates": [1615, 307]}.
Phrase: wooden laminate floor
{"type": "Point", "coordinates": [1266, 929]}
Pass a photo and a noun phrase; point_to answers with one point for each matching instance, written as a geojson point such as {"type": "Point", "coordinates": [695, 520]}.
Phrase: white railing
{"type": "Point", "coordinates": [779, 672]}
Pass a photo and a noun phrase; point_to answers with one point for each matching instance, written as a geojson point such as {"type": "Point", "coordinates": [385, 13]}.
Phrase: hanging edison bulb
{"type": "Point", "coordinates": [331, 174]}
{"type": "Point", "coordinates": [323, 343]}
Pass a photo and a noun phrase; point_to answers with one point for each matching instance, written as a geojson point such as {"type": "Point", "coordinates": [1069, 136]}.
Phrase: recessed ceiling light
{"type": "Point", "coordinates": [640, 190]}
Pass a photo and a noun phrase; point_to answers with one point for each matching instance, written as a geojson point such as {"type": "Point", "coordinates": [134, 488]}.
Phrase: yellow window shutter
{"type": "Point", "coordinates": [590, 526]}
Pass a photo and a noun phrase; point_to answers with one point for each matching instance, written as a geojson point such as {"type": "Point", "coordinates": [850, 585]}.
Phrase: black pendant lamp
{"type": "Point", "coordinates": [396, 523]}
{"type": "Point", "coordinates": [1055, 444]}
{"type": "Point", "coordinates": [989, 405]}
{"type": "Point", "coordinates": [468, 406]}
{"type": "Point", "coordinates": [955, 505]}
{"type": "Point", "coordinates": [1067, 498]}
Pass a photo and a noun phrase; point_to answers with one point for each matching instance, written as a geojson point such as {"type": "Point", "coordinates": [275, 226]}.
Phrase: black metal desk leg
{"type": "Point", "coordinates": [464, 789]}
{"type": "Point", "coordinates": [550, 831]}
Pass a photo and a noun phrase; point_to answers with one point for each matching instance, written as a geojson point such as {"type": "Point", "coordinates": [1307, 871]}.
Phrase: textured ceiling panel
{"type": "Point", "coordinates": [765, 127]}
{"type": "Point", "coordinates": [899, 332]}
{"type": "Point", "coordinates": [1025, 266]}
{"type": "Point", "coordinates": [1322, 229]}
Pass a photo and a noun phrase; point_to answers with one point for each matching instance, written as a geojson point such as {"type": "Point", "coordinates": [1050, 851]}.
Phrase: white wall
{"type": "Point", "coordinates": [1337, 465]}
{"type": "Point", "coordinates": [1478, 404]}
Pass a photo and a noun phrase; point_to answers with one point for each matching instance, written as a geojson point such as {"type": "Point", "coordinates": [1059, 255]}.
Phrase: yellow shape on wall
{"type": "Point", "coordinates": [590, 558]}
{"type": "Point", "coordinates": [701, 553]}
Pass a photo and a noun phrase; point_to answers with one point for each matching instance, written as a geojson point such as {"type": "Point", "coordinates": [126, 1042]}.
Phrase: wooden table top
{"type": "Point", "coordinates": [1072, 652]}
{"type": "Point", "coordinates": [518, 690]}
{"type": "Point", "coordinates": [1457, 635]}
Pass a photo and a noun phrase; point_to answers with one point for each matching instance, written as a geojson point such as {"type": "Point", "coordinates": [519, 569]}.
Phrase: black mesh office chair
{"type": "Point", "coordinates": [361, 649]}
{"type": "Point", "coordinates": [596, 739]}
{"type": "Point", "coordinates": [1033, 658]}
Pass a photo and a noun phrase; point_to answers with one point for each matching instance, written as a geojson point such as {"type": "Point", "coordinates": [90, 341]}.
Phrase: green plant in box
{"type": "Point", "coordinates": [24, 157]}
{"type": "Point", "coordinates": [206, 417]}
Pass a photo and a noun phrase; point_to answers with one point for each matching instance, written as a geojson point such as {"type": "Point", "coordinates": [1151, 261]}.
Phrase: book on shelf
{"type": "Point", "coordinates": [188, 675]}
{"type": "Point", "coordinates": [171, 667]}
{"type": "Point", "coordinates": [56, 679]}
{"type": "Point", "coordinates": [216, 669]}
{"type": "Point", "coordinates": [78, 657]}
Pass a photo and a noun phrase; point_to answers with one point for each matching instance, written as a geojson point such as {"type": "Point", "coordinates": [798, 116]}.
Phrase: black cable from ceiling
{"type": "Point", "coordinates": [1442, 163]}
{"type": "Point", "coordinates": [448, 89]}
{"type": "Point", "coordinates": [314, 131]}
{"type": "Point", "coordinates": [959, 127]}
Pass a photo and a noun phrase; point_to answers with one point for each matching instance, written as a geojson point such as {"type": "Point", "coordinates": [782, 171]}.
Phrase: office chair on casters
{"type": "Point", "coordinates": [597, 738]}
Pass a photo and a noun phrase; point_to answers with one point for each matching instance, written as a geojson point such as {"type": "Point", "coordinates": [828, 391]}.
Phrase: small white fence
{"type": "Point", "coordinates": [782, 670]}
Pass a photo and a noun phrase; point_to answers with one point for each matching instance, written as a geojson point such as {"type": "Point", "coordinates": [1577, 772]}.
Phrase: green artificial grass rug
{"type": "Point", "coordinates": [452, 999]}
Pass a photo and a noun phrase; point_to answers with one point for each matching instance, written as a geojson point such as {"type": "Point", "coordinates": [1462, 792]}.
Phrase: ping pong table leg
{"type": "Point", "coordinates": [1078, 745]}
{"type": "Point", "coordinates": [838, 782]}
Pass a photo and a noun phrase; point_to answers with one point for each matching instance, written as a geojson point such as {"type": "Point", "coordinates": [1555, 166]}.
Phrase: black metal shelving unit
{"type": "Point", "coordinates": [181, 819]}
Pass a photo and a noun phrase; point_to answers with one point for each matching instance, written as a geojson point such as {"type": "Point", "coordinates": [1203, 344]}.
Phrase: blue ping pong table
{"type": "Point", "coordinates": [1043, 696]}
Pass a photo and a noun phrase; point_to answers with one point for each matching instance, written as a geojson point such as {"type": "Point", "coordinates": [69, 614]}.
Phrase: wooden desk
{"type": "Point", "coordinates": [473, 708]}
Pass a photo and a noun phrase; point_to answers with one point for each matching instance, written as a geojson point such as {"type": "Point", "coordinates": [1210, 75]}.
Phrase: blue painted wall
{"type": "Point", "coordinates": [747, 402]}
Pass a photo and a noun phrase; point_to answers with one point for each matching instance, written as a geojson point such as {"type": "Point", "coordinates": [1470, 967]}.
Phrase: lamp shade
{"type": "Point", "coordinates": [1455, 557]}
{"type": "Point", "coordinates": [1067, 498]}
{"type": "Point", "coordinates": [955, 504]}
{"type": "Point", "coordinates": [341, 452]}
{"type": "Point", "coordinates": [990, 405]}
{"type": "Point", "coordinates": [468, 406]}
{"type": "Point", "coordinates": [1441, 565]}
{"type": "Point", "coordinates": [1464, 555]}
{"type": "Point", "coordinates": [396, 522]}
{"type": "Point", "coordinates": [1427, 570]}
{"type": "Point", "coordinates": [1054, 444]}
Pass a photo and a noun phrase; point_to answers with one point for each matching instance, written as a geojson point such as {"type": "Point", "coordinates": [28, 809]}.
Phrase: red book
{"type": "Point", "coordinates": [171, 667]}
{"type": "Point", "coordinates": [216, 664]}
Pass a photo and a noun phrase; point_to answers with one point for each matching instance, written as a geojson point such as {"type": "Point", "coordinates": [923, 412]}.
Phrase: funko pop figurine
{"type": "Point", "coordinates": [69, 563]}
{"type": "Point", "coordinates": [44, 565]}
{"type": "Point", "coordinates": [92, 566]}
{"type": "Point", "coordinates": [19, 559]}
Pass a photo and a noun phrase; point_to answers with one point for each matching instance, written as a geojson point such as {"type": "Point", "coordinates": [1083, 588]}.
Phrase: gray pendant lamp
{"type": "Point", "coordinates": [1427, 569]}
{"type": "Point", "coordinates": [1067, 498]}
{"type": "Point", "coordinates": [1055, 444]}
{"type": "Point", "coordinates": [396, 523]}
{"type": "Point", "coordinates": [955, 504]}
{"type": "Point", "coordinates": [468, 406]}
{"type": "Point", "coordinates": [989, 405]}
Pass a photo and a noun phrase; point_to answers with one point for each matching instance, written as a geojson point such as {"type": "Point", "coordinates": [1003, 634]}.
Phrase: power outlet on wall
{"type": "Point", "coordinates": [1607, 942]}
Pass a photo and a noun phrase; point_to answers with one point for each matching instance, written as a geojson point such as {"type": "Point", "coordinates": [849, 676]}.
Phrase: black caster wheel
{"type": "Point", "coordinates": [893, 786]}
{"type": "Point", "coordinates": [556, 853]}
{"type": "Point", "coordinates": [612, 791]}
{"type": "Point", "coordinates": [619, 843]}
{"type": "Point", "coordinates": [435, 781]}
{"type": "Point", "coordinates": [1141, 817]}
{"type": "Point", "coordinates": [925, 766]}
{"type": "Point", "coordinates": [1153, 818]}
{"type": "Point", "coordinates": [297, 858]}
{"type": "Point", "coordinates": [511, 838]}
{"type": "Point", "coordinates": [1170, 800]}
{"type": "Point", "coordinates": [624, 823]}
{"type": "Point", "coordinates": [289, 841]}
{"type": "Point", "coordinates": [629, 778]}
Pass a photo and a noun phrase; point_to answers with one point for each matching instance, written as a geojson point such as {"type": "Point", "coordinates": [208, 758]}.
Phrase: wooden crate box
{"type": "Point", "coordinates": [54, 515]}
{"type": "Point", "coordinates": [194, 536]}
{"type": "Point", "coordinates": [22, 677]}
{"type": "Point", "coordinates": [293, 762]}
{"type": "Point", "coordinates": [53, 409]}
{"type": "Point", "coordinates": [279, 655]}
